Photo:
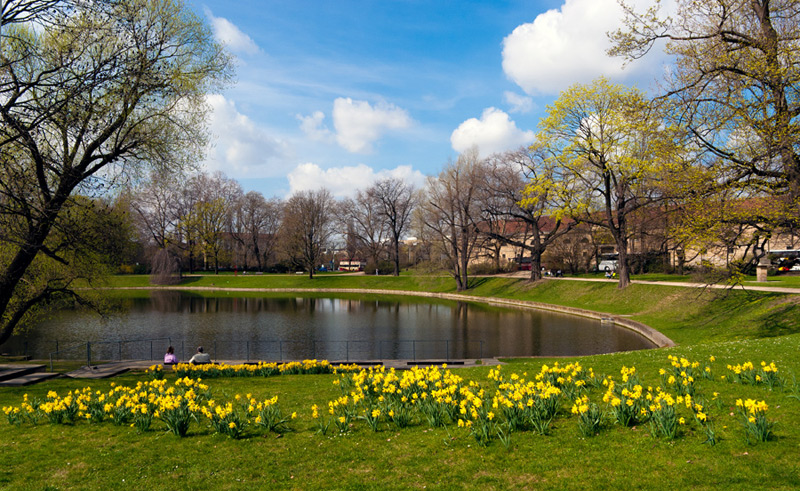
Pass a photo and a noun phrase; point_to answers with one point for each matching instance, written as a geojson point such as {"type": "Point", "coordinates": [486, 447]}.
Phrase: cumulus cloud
{"type": "Point", "coordinates": [566, 46]}
{"type": "Point", "coordinates": [494, 132]}
{"type": "Point", "coordinates": [346, 180]}
{"type": "Point", "coordinates": [314, 126]}
{"type": "Point", "coordinates": [518, 103]}
{"type": "Point", "coordinates": [358, 124]}
{"type": "Point", "coordinates": [228, 34]}
{"type": "Point", "coordinates": [240, 147]}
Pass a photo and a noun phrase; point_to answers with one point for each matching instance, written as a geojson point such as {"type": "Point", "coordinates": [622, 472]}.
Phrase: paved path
{"type": "Point", "coordinates": [756, 288]}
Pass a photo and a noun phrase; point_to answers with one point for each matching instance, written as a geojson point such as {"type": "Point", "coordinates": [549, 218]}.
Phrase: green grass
{"type": "Point", "coordinates": [106, 456]}
{"type": "Point", "coordinates": [734, 326]}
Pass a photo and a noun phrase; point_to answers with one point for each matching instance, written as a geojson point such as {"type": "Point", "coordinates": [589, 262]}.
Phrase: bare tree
{"type": "Point", "coordinates": [307, 227]}
{"type": "Point", "coordinates": [365, 227]}
{"type": "Point", "coordinates": [254, 225]}
{"type": "Point", "coordinates": [450, 210]}
{"type": "Point", "coordinates": [396, 200]}
{"type": "Point", "coordinates": [208, 217]}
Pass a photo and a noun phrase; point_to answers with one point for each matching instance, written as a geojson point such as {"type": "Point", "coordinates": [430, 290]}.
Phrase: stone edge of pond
{"type": "Point", "coordinates": [652, 335]}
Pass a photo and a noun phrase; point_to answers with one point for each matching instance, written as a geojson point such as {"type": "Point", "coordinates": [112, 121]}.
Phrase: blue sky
{"type": "Point", "coordinates": [340, 93]}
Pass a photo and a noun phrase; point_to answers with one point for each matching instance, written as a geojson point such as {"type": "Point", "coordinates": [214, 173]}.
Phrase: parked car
{"type": "Point", "coordinates": [608, 265]}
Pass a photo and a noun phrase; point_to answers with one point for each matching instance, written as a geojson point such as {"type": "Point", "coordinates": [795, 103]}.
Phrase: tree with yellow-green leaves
{"type": "Point", "coordinates": [102, 92]}
{"type": "Point", "coordinates": [612, 153]}
{"type": "Point", "coordinates": [735, 85]}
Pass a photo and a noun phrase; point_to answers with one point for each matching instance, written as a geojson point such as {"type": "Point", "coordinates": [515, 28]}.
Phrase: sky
{"type": "Point", "coordinates": [342, 93]}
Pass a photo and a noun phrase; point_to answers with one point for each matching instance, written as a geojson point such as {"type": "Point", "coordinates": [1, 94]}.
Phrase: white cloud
{"type": "Point", "coordinates": [314, 127]}
{"type": "Point", "coordinates": [494, 132]}
{"type": "Point", "coordinates": [358, 124]}
{"type": "Point", "coordinates": [228, 34]}
{"type": "Point", "coordinates": [346, 180]}
{"type": "Point", "coordinates": [518, 103]}
{"type": "Point", "coordinates": [567, 46]}
{"type": "Point", "coordinates": [240, 147]}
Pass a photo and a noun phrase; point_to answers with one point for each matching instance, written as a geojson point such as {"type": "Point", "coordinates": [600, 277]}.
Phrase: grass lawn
{"type": "Point", "coordinates": [734, 327]}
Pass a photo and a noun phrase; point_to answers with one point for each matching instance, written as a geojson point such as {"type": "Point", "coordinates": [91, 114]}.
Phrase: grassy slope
{"type": "Point", "coordinates": [107, 456]}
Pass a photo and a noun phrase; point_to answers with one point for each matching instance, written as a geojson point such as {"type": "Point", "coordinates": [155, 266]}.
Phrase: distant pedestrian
{"type": "Point", "coordinates": [169, 357]}
{"type": "Point", "coordinates": [200, 357]}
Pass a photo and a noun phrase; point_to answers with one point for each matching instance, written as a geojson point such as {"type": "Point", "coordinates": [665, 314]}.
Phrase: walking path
{"type": "Point", "coordinates": [756, 288]}
{"type": "Point", "coordinates": [19, 375]}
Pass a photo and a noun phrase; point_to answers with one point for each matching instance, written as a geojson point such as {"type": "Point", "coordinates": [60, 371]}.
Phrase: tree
{"type": "Point", "coordinates": [255, 222]}
{"type": "Point", "coordinates": [208, 217]}
{"type": "Point", "coordinates": [366, 229]}
{"type": "Point", "coordinates": [734, 85]}
{"type": "Point", "coordinates": [112, 88]}
{"type": "Point", "coordinates": [524, 204]}
{"type": "Point", "coordinates": [155, 205]}
{"type": "Point", "coordinates": [307, 227]}
{"type": "Point", "coordinates": [613, 154]}
{"type": "Point", "coordinates": [449, 210]}
{"type": "Point", "coordinates": [396, 200]}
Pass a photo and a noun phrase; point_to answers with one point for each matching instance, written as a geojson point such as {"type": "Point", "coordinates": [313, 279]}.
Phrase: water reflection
{"type": "Point", "coordinates": [297, 327]}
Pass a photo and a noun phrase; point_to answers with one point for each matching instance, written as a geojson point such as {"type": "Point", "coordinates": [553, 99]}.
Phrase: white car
{"type": "Point", "coordinates": [608, 265]}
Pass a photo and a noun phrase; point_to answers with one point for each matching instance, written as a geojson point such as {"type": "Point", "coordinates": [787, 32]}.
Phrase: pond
{"type": "Point", "coordinates": [337, 327]}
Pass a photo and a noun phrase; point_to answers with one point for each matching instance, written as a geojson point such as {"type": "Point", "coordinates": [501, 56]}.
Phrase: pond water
{"type": "Point", "coordinates": [354, 327]}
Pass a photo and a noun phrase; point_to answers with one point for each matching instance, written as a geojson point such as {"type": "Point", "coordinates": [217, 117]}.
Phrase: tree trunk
{"type": "Point", "coordinates": [622, 263]}
{"type": "Point", "coordinates": [536, 266]}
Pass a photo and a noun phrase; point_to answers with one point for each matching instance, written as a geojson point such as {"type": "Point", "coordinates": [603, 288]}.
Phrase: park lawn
{"type": "Point", "coordinates": [83, 456]}
{"type": "Point", "coordinates": [733, 326]}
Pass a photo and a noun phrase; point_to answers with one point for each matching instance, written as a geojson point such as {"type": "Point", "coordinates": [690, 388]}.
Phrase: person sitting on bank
{"type": "Point", "coordinates": [200, 357]}
{"type": "Point", "coordinates": [169, 357]}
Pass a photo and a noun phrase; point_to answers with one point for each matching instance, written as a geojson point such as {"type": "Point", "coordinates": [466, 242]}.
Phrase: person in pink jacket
{"type": "Point", "coordinates": [170, 357]}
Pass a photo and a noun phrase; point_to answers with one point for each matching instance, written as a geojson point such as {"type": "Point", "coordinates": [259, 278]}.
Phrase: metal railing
{"type": "Point", "coordinates": [133, 349]}
{"type": "Point", "coordinates": [278, 350]}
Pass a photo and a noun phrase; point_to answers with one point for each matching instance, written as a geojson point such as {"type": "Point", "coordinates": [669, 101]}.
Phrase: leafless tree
{"type": "Point", "coordinates": [365, 227]}
{"type": "Point", "coordinates": [208, 217]}
{"type": "Point", "coordinates": [449, 211]}
{"type": "Point", "coordinates": [396, 200]}
{"type": "Point", "coordinates": [254, 225]}
{"type": "Point", "coordinates": [307, 227]}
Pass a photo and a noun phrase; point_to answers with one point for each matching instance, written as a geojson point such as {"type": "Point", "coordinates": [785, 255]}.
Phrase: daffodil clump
{"type": "Point", "coordinates": [156, 372]}
{"type": "Point", "coordinates": [590, 416]}
{"type": "Point", "coordinates": [176, 405]}
{"type": "Point", "coordinates": [748, 373]}
{"type": "Point", "coordinates": [626, 399]}
{"type": "Point", "coordinates": [260, 369]}
{"type": "Point", "coordinates": [684, 374]}
{"type": "Point", "coordinates": [269, 415]}
{"type": "Point", "coordinates": [754, 419]}
{"type": "Point", "coordinates": [529, 405]}
{"type": "Point", "coordinates": [377, 394]}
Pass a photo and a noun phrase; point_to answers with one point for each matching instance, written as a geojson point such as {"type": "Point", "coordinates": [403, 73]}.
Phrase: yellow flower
{"type": "Point", "coordinates": [682, 421]}
{"type": "Point", "coordinates": [231, 425]}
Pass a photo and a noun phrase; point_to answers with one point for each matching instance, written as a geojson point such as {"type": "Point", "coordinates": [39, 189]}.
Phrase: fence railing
{"type": "Point", "coordinates": [276, 350]}
{"type": "Point", "coordinates": [123, 349]}
{"type": "Point", "coordinates": [344, 350]}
